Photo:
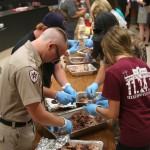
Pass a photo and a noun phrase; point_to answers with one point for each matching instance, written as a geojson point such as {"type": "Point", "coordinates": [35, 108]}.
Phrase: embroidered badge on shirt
{"type": "Point", "coordinates": [34, 75]}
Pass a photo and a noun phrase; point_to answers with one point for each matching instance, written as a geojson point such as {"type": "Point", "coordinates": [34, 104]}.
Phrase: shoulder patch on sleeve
{"type": "Point", "coordinates": [34, 75]}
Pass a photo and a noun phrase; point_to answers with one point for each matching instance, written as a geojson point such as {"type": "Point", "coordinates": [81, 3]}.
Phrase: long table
{"type": "Point", "coordinates": [105, 132]}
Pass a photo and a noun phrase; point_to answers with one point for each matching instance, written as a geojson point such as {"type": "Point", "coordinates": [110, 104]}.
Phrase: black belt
{"type": "Point", "coordinates": [14, 124]}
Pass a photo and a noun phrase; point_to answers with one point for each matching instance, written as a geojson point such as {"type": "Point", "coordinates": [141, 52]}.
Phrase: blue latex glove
{"type": "Point", "coordinates": [67, 128]}
{"type": "Point", "coordinates": [73, 42]}
{"type": "Point", "coordinates": [64, 98]}
{"type": "Point", "coordinates": [102, 101]}
{"type": "Point", "coordinates": [74, 48]}
{"type": "Point", "coordinates": [88, 43]}
{"type": "Point", "coordinates": [90, 90]}
{"type": "Point", "coordinates": [91, 109]}
{"type": "Point", "coordinates": [68, 89]}
{"type": "Point", "coordinates": [87, 57]}
{"type": "Point", "coordinates": [51, 129]}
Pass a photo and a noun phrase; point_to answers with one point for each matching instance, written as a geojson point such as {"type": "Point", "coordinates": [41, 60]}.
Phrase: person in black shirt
{"type": "Point", "coordinates": [101, 26]}
{"type": "Point", "coordinates": [52, 19]}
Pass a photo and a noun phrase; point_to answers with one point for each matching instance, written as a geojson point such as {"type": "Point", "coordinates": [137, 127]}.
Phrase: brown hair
{"type": "Point", "coordinates": [116, 41]}
{"type": "Point", "coordinates": [40, 26]}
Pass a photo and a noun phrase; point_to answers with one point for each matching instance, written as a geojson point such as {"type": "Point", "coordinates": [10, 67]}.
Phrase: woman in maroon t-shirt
{"type": "Point", "coordinates": [127, 88]}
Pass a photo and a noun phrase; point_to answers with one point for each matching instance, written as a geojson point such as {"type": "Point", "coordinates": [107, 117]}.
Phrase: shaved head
{"type": "Point", "coordinates": [54, 34]}
{"type": "Point", "coordinates": [50, 40]}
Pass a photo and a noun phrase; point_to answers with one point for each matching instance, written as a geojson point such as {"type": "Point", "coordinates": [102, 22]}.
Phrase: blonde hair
{"type": "Point", "coordinates": [40, 26]}
{"type": "Point", "coordinates": [100, 6]}
{"type": "Point", "coordinates": [117, 41]}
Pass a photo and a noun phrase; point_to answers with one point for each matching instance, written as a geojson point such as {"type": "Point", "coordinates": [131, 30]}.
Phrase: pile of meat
{"type": "Point", "coordinates": [86, 50]}
{"type": "Point", "coordinates": [55, 101]}
{"type": "Point", "coordinates": [84, 99]}
{"type": "Point", "coordinates": [79, 68]}
{"type": "Point", "coordinates": [81, 120]}
{"type": "Point", "coordinates": [79, 60]}
{"type": "Point", "coordinates": [80, 147]}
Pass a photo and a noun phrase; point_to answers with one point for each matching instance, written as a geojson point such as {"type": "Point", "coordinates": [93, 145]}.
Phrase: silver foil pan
{"type": "Point", "coordinates": [84, 131]}
{"type": "Point", "coordinates": [84, 50]}
{"type": "Point", "coordinates": [97, 145]}
{"type": "Point", "coordinates": [90, 67]}
{"type": "Point", "coordinates": [78, 60]}
{"type": "Point", "coordinates": [48, 144]}
{"type": "Point", "coordinates": [53, 107]}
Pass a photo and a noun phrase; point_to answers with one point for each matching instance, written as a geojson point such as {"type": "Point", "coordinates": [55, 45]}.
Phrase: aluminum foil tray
{"type": "Point", "coordinates": [90, 69]}
{"type": "Point", "coordinates": [78, 60]}
{"type": "Point", "coordinates": [50, 144]}
{"type": "Point", "coordinates": [84, 50]}
{"type": "Point", "coordinates": [97, 145]}
{"type": "Point", "coordinates": [52, 107]}
{"type": "Point", "coordinates": [83, 94]}
{"type": "Point", "coordinates": [84, 131]}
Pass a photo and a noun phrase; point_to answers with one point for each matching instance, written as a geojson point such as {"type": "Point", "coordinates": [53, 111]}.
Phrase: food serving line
{"type": "Point", "coordinates": [103, 132]}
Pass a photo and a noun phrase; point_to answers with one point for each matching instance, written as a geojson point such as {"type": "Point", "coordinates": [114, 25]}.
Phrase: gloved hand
{"type": "Point", "coordinates": [91, 109]}
{"type": "Point", "coordinates": [87, 57]}
{"type": "Point", "coordinates": [67, 128]}
{"type": "Point", "coordinates": [51, 129]}
{"type": "Point", "coordinates": [64, 98]}
{"type": "Point", "coordinates": [90, 90]}
{"type": "Point", "coordinates": [102, 101]}
{"type": "Point", "coordinates": [74, 48]}
{"type": "Point", "coordinates": [73, 42]}
{"type": "Point", "coordinates": [88, 43]}
{"type": "Point", "coordinates": [68, 89]}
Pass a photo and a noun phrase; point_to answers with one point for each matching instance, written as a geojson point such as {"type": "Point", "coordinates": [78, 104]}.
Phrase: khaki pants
{"type": "Point", "coordinates": [16, 138]}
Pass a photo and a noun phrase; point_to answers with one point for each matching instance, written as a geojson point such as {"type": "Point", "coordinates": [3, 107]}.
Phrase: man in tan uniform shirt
{"type": "Point", "coordinates": [21, 91]}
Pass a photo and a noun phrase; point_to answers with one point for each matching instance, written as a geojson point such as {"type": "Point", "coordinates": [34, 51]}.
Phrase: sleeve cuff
{"type": "Point", "coordinates": [68, 52]}
{"type": "Point", "coordinates": [97, 83]}
{"type": "Point", "coordinates": [65, 122]}
{"type": "Point", "coordinates": [63, 87]}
